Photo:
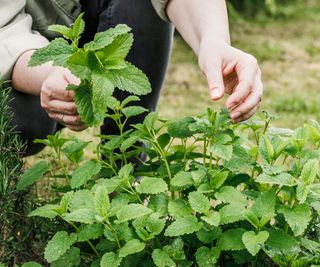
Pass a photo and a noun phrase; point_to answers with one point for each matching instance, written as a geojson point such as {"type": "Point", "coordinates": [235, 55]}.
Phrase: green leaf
{"type": "Point", "coordinates": [159, 203]}
{"type": "Point", "coordinates": [182, 180]}
{"type": "Point", "coordinates": [266, 149]}
{"type": "Point", "coordinates": [229, 194]}
{"type": "Point", "coordinates": [132, 211]}
{"type": "Point", "coordinates": [208, 235]}
{"type": "Point", "coordinates": [283, 179]}
{"type": "Point", "coordinates": [58, 51]}
{"type": "Point", "coordinates": [81, 199]}
{"type": "Point", "coordinates": [118, 49]}
{"type": "Point", "coordinates": [132, 80]}
{"type": "Point", "coordinates": [231, 239]}
{"type": "Point", "coordinates": [150, 185]}
{"type": "Point", "coordinates": [47, 211]}
{"type": "Point", "coordinates": [207, 257]}
{"type": "Point", "coordinates": [297, 217]}
{"type": "Point", "coordinates": [58, 245]}
{"type": "Point", "coordinates": [102, 39]}
{"type": "Point", "coordinates": [84, 173]}
{"type": "Point", "coordinates": [178, 208]}
{"type": "Point", "coordinates": [129, 142]}
{"type": "Point", "coordinates": [218, 178]}
{"type": "Point", "coordinates": [302, 192]}
{"type": "Point", "coordinates": [213, 218]}
{"type": "Point", "coordinates": [77, 27]}
{"type": "Point", "coordinates": [69, 259]}
{"type": "Point", "coordinates": [102, 90]}
{"type": "Point", "coordinates": [62, 29]}
{"type": "Point", "coordinates": [83, 99]}
{"type": "Point", "coordinates": [33, 174]}
{"type": "Point", "coordinates": [164, 140]}
{"type": "Point", "coordinates": [101, 201]}
{"type": "Point", "coordinates": [280, 244]}
{"type": "Point", "coordinates": [182, 226]}
{"type": "Point", "coordinates": [150, 120]}
{"type": "Point", "coordinates": [310, 171]}
{"type": "Point", "coordinates": [199, 202]}
{"type": "Point", "coordinates": [64, 202]}
{"type": "Point", "coordinates": [131, 247]}
{"type": "Point", "coordinates": [253, 242]}
{"type": "Point", "coordinates": [264, 206]}
{"type": "Point", "coordinates": [133, 111]}
{"type": "Point", "coordinates": [110, 259]}
{"type": "Point", "coordinates": [74, 151]}
{"type": "Point", "coordinates": [90, 231]}
{"type": "Point", "coordinates": [81, 64]}
{"type": "Point", "coordinates": [82, 215]}
{"type": "Point", "coordinates": [232, 213]}
{"type": "Point", "coordinates": [180, 128]}
{"type": "Point", "coordinates": [161, 258]}
{"type": "Point", "coordinates": [222, 151]}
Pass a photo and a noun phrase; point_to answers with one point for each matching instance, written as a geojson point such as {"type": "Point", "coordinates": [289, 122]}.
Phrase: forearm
{"type": "Point", "coordinates": [26, 79]}
{"type": "Point", "coordinates": [197, 20]}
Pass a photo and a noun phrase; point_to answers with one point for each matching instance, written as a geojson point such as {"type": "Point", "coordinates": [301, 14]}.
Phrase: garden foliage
{"type": "Point", "coordinates": [209, 194]}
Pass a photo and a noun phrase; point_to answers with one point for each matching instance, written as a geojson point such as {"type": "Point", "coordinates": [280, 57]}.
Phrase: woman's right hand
{"type": "Point", "coordinates": [59, 102]}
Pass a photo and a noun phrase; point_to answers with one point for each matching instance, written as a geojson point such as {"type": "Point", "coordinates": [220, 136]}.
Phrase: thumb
{"type": "Point", "coordinates": [215, 81]}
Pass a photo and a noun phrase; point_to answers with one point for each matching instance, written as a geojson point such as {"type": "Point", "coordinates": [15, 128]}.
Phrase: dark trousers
{"type": "Point", "coordinates": [150, 53]}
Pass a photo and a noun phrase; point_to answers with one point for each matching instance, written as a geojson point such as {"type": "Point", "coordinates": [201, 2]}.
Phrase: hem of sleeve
{"type": "Point", "coordinates": [160, 7]}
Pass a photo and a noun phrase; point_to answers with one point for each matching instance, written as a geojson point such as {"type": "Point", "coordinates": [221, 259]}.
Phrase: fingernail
{"type": "Point", "coordinates": [215, 93]}
{"type": "Point", "coordinates": [235, 115]}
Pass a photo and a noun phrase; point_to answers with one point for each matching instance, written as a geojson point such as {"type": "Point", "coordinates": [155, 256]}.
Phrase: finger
{"type": "Point", "coordinates": [72, 120]}
{"type": "Point", "coordinates": [251, 101]}
{"type": "Point", "coordinates": [71, 79]}
{"type": "Point", "coordinates": [55, 88]}
{"type": "Point", "coordinates": [77, 128]}
{"type": "Point", "coordinates": [58, 106]}
{"type": "Point", "coordinates": [247, 70]}
{"type": "Point", "coordinates": [214, 77]}
{"type": "Point", "coordinates": [247, 115]}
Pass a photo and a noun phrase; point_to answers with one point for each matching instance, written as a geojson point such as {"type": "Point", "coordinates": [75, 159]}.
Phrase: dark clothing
{"type": "Point", "coordinates": [150, 53]}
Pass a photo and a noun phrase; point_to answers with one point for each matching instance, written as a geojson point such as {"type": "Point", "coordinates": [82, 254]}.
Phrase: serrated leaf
{"type": "Point", "coordinates": [266, 149]}
{"type": "Point", "coordinates": [58, 51]}
{"type": "Point", "coordinates": [133, 111]}
{"type": "Point", "coordinates": [207, 257]}
{"type": "Point", "coordinates": [217, 178]}
{"type": "Point", "coordinates": [264, 206]}
{"type": "Point", "coordinates": [132, 80]}
{"type": "Point", "coordinates": [129, 142]}
{"type": "Point", "coordinates": [27, 264]}
{"type": "Point", "coordinates": [33, 174]}
{"type": "Point", "coordinates": [132, 211]}
{"type": "Point", "coordinates": [253, 242]}
{"type": "Point", "coordinates": [47, 211]}
{"type": "Point", "coordinates": [62, 29]}
{"type": "Point", "coordinates": [69, 259]}
{"type": "Point", "coordinates": [110, 259]}
{"type": "Point", "coordinates": [150, 120]}
{"type": "Point", "coordinates": [58, 245]}
{"type": "Point", "coordinates": [159, 203]}
{"type": "Point", "coordinates": [229, 194]}
{"type": "Point", "coordinates": [178, 208]}
{"type": "Point", "coordinates": [231, 239]}
{"type": "Point", "coordinates": [83, 100]}
{"type": "Point", "coordinates": [310, 171]}
{"type": "Point", "coordinates": [222, 151]}
{"type": "Point", "coordinates": [213, 218]}
{"type": "Point", "coordinates": [297, 217]}
{"type": "Point", "coordinates": [81, 199]}
{"type": "Point", "coordinates": [81, 64]}
{"type": "Point", "coordinates": [102, 90]}
{"type": "Point", "coordinates": [232, 213]}
{"type": "Point", "coordinates": [280, 244]}
{"type": "Point", "coordinates": [82, 215]}
{"type": "Point", "coordinates": [101, 201]}
{"type": "Point", "coordinates": [150, 185]}
{"type": "Point", "coordinates": [182, 180]}
{"type": "Point", "coordinates": [199, 202]}
{"type": "Point", "coordinates": [283, 179]}
{"type": "Point", "coordinates": [164, 140]}
{"type": "Point", "coordinates": [74, 151]}
{"type": "Point", "coordinates": [84, 173]}
{"type": "Point", "coordinates": [77, 27]}
{"type": "Point", "coordinates": [182, 226]}
{"type": "Point", "coordinates": [206, 236]}
{"type": "Point", "coordinates": [161, 258]}
{"type": "Point", "coordinates": [102, 39]}
{"type": "Point", "coordinates": [90, 231]}
{"type": "Point", "coordinates": [131, 247]}
{"type": "Point", "coordinates": [180, 128]}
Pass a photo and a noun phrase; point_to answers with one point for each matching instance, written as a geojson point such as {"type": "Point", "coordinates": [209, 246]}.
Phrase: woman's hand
{"type": "Point", "coordinates": [59, 102]}
{"type": "Point", "coordinates": [232, 71]}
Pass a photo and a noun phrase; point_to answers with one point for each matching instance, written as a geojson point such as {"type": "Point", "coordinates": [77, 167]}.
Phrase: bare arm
{"type": "Point", "coordinates": [204, 26]}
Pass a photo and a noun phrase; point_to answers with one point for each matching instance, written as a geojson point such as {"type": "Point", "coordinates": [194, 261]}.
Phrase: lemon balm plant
{"type": "Point", "coordinates": [207, 195]}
